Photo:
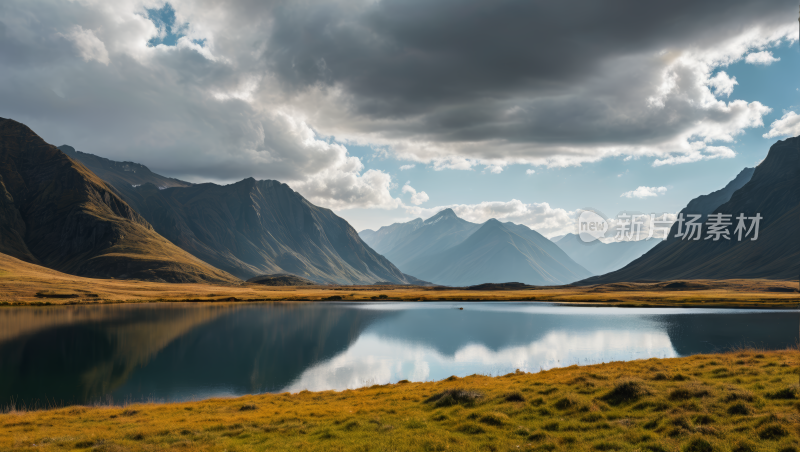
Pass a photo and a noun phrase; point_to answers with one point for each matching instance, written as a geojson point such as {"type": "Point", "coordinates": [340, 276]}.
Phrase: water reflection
{"type": "Point", "coordinates": [84, 354]}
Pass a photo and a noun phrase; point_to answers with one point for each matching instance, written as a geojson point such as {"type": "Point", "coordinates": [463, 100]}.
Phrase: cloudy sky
{"type": "Point", "coordinates": [386, 110]}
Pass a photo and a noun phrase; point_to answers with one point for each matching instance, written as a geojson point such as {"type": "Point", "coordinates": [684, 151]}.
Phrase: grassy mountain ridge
{"type": "Point", "coordinates": [59, 214]}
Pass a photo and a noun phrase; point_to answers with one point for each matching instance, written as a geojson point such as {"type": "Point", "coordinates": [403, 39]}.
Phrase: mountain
{"type": "Point", "coordinates": [497, 253]}
{"type": "Point", "coordinates": [448, 250]}
{"type": "Point", "coordinates": [402, 243]}
{"type": "Point", "coordinates": [58, 214]}
{"type": "Point", "coordinates": [250, 228]}
{"type": "Point", "coordinates": [122, 175]}
{"type": "Point", "coordinates": [601, 258]}
{"type": "Point", "coordinates": [388, 237]}
{"type": "Point", "coordinates": [773, 192]}
{"type": "Point", "coordinates": [706, 204]}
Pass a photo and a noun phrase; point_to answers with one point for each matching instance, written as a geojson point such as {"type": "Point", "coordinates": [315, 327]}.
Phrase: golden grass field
{"type": "Point", "coordinates": [24, 283]}
{"type": "Point", "coordinates": [740, 401]}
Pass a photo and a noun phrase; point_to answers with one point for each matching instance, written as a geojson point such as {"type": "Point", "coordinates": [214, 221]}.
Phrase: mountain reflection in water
{"type": "Point", "coordinates": [169, 352]}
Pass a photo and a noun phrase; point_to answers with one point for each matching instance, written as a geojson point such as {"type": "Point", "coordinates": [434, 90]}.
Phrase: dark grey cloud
{"type": "Point", "coordinates": [574, 72]}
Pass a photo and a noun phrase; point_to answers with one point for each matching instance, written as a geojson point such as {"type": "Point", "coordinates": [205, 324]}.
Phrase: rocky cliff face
{"type": "Point", "coordinates": [57, 213]}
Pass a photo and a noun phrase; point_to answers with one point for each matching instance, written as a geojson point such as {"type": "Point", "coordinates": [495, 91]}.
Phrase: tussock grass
{"type": "Point", "coordinates": [610, 407]}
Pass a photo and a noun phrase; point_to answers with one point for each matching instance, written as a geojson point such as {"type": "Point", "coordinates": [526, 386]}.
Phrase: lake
{"type": "Point", "coordinates": [173, 352]}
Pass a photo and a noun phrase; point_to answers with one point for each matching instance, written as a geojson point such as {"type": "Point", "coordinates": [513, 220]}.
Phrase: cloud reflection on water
{"type": "Point", "coordinates": [376, 359]}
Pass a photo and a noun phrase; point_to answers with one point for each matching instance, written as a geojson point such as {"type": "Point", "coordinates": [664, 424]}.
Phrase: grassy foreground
{"type": "Point", "coordinates": [22, 283]}
{"type": "Point", "coordinates": [741, 401]}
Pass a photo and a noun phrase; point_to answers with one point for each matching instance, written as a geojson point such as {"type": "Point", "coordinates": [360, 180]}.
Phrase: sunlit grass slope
{"type": "Point", "coordinates": [741, 401]}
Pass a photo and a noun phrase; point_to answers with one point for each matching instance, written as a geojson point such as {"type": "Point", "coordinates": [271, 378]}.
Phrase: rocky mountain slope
{"type": "Point", "coordinates": [448, 250]}
{"type": "Point", "coordinates": [56, 213]}
{"type": "Point", "coordinates": [773, 192]}
{"type": "Point", "coordinates": [250, 228]}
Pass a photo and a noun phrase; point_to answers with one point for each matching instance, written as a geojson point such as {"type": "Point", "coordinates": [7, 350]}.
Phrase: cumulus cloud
{"type": "Point", "coordinates": [530, 171]}
{"type": "Point", "coordinates": [644, 192]}
{"type": "Point", "coordinates": [722, 84]}
{"type": "Point", "coordinates": [407, 167]}
{"type": "Point", "coordinates": [764, 58]}
{"type": "Point", "coordinates": [89, 46]}
{"type": "Point", "coordinates": [787, 126]}
{"type": "Point", "coordinates": [417, 198]}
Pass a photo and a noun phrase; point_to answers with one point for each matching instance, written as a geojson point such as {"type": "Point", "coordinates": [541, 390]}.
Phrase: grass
{"type": "Point", "coordinates": [633, 406]}
{"type": "Point", "coordinates": [22, 283]}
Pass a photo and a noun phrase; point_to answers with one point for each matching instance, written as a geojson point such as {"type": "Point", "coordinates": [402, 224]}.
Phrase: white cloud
{"type": "Point", "coordinates": [644, 192]}
{"type": "Point", "coordinates": [787, 126]}
{"type": "Point", "coordinates": [764, 57]}
{"type": "Point", "coordinates": [417, 198]}
{"type": "Point", "coordinates": [494, 169]}
{"type": "Point", "coordinates": [530, 171]}
{"type": "Point", "coordinates": [89, 46]}
{"type": "Point", "coordinates": [722, 84]}
{"type": "Point", "coordinates": [697, 153]}
{"type": "Point", "coordinates": [407, 167]}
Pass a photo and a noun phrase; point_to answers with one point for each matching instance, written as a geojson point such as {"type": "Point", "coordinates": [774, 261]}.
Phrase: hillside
{"type": "Point", "coordinates": [249, 228]}
{"type": "Point", "coordinates": [57, 213]}
{"type": "Point", "coordinates": [498, 253]}
{"type": "Point", "coordinates": [601, 258]}
{"type": "Point", "coordinates": [281, 279]}
{"type": "Point", "coordinates": [773, 192]}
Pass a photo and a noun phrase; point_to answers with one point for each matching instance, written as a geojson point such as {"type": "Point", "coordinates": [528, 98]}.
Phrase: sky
{"type": "Point", "coordinates": [389, 110]}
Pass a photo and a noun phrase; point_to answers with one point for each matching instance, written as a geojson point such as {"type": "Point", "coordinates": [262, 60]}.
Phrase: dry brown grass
{"type": "Point", "coordinates": [24, 283]}
{"type": "Point", "coordinates": [629, 406]}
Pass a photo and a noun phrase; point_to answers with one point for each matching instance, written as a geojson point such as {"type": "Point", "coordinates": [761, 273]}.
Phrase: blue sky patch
{"type": "Point", "coordinates": [164, 19]}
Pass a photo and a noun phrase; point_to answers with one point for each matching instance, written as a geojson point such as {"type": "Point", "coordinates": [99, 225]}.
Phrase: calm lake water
{"type": "Point", "coordinates": [173, 352]}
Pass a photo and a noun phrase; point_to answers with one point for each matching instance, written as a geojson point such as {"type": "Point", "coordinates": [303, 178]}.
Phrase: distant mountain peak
{"type": "Point", "coordinates": [445, 214]}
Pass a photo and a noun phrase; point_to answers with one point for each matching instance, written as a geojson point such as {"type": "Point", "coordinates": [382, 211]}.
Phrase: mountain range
{"type": "Point", "coordinates": [771, 191]}
{"type": "Point", "coordinates": [449, 250]}
{"type": "Point", "coordinates": [249, 228]}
